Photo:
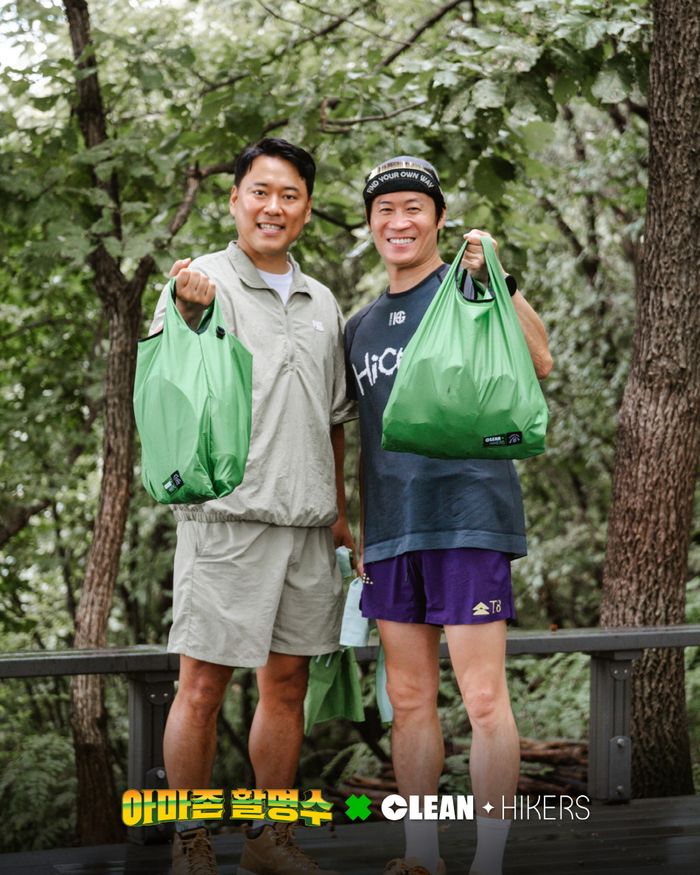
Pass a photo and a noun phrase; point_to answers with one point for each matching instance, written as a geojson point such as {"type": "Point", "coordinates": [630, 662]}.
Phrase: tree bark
{"type": "Point", "coordinates": [659, 427]}
{"type": "Point", "coordinates": [98, 808]}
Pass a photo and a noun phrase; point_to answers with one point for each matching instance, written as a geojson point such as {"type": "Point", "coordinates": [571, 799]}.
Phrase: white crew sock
{"type": "Point", "coordinates": [422, 842]}
{"type": "Point", "coordinates": [491, 837]}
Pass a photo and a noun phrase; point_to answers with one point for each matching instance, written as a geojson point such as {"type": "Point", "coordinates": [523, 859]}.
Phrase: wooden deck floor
{"type": "Point", "coordinates": [646, 837]}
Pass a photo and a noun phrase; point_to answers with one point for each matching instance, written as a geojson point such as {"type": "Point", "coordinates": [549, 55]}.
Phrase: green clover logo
{"type": "Point", "coordinates": [358, 807]}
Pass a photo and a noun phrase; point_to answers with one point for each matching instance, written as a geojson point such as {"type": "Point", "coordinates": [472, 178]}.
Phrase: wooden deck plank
{"type": "Point", "coordinates": [646, 837]}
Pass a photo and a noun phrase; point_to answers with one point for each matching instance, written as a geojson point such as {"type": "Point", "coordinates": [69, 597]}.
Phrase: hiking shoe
{"type": "Point", "coordinates": [274, 852]}
{"type": "Point", "coordinates": [193, 853]}
{"type": "Point", "coordinates": [411, 866]}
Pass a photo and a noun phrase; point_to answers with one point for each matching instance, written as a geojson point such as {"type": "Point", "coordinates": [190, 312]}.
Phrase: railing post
{"type": "Point", "coordinates": [150, 697]}
{"type": "Point", "coordinates": [610, 745]}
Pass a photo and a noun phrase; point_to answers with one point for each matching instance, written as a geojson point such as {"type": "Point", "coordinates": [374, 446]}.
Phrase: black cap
{"type": "Point", "coordinates": [404, 173]}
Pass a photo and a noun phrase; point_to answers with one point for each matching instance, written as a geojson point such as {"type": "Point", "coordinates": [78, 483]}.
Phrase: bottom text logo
{"type": "Point", "coordinates": [150, 807]}
{"type": "Point", "coordinates": [547, 807]}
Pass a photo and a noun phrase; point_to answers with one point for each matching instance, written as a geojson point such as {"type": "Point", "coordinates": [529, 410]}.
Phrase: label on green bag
{"type": "Point", "coordinates": [173, 483]}
{"type": "Point", "coordinates": [504, 440]}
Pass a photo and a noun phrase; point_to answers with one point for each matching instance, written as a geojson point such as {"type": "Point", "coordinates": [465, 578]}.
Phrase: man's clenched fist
{"type": "Point", "coordinates": [194, 292]}
{"type": "Point", "coordinates": [474, 260]}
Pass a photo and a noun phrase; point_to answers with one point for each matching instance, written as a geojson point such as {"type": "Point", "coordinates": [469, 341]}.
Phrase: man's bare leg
{"type": "Point", "coordinates": [274, 746]}
{"type": "Point", "coordinates": [417, 747]}
{"type": "Point", "coordinates": [189, 744]}
{"type": "Point", "coordinates": [276, 734]}
{"type": "Point", "coordinates": [478, 658]}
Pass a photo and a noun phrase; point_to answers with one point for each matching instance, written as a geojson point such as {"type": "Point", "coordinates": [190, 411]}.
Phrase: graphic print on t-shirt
{"type": "Point", "coordinates": [386, 363]}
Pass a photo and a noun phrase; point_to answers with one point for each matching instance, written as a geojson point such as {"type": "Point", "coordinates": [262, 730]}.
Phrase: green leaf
{"type": "Point", "coordinates": [214, 103]}
{"type": "Point", "coordinates": [104, 170]}
{"type": "Point", "coordinates": [609, 87]}
{"type": "Point", "coordinates": [44, 104]}
{"type": "Point", "coordinates": [488, 181]}
{"type": "Point", "coordinates": [150, 76]}
{"type": "Point", "coordinates": [583, 32]}
{"type": "Point", "coordinates": [537, 134]}
{"type": "Point", "coordinates": [113, 246]}
{"type": "Point", "coordinates": [526, 56]}
{"type": "Point", "coordinates": [446, 78]}
{"type": "Point", "coordinates": [504, 168]}
{"type": "Point", "coordinates": [565, 86]}
{"type": "Point", "coordinates": [98, 197]}
{"type": "Point", "coordinates": [17, 87]}
{"type": "Point", "coordinates": [487, 94]}
{"type": "Point", "coordinates": [483, 38]}
{"type": "Point", "coordinates": [536, 169]}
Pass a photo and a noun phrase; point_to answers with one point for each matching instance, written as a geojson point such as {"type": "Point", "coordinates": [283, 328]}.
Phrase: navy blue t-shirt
{"type": "Point", "coordinates": [413, 502]}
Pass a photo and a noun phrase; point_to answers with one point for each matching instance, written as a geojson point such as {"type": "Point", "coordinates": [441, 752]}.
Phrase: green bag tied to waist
{"type": "Point", "coordinates": [466, 387]}
{"type": "Point", "coordinates": [193, 408]}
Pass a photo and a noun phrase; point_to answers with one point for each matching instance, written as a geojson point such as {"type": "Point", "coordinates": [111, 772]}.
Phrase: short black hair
{"type": "Point", "coordinates": [277, 148]}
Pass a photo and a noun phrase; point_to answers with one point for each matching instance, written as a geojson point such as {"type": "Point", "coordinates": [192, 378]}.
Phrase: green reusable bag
{"type": "Point", "coordinates": [384, 706]}
{"type": "Point", "coordinates": [466, 387]}
{"type": "Point", "coordinates": [193, 408]}
{"type": "Point", "coordinates": [334, 682]}
{"type": "Point", "coordinates": [334, 689]}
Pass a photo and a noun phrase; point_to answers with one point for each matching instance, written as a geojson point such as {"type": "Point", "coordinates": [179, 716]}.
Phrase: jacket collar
{"type": "Point", "coordinates": [248, 272]}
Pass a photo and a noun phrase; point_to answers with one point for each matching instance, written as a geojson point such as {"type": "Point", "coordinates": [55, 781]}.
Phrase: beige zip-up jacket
{"type": "Point", "coordinates": [298, 393]}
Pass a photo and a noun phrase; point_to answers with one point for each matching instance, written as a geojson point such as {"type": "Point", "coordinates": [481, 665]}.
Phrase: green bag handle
{"type": "Point", "coordinates": [451, 275]}
{"type": "Point", "coordinates": [207, 317]}
{"type": "Point", "coordinates": [496, 280]}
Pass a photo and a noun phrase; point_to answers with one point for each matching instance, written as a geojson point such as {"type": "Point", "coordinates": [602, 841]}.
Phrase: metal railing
{"type": "Point", "coordinates": [151, 673]}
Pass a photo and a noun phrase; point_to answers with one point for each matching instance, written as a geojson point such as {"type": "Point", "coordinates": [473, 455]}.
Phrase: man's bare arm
{"type": "Point", "coordinates": [340, 528]}
{"type": "Point", "coordinates": [535, 336]}
{"type": "Point", "coordinates": [533, 327]}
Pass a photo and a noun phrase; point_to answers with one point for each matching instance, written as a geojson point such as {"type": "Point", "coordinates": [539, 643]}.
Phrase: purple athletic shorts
{"type": "Point", "coordinates": [453, 587]}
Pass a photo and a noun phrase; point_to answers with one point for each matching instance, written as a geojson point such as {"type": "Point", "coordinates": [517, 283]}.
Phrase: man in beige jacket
{"type": "Point", "coordinates": [255, 580]}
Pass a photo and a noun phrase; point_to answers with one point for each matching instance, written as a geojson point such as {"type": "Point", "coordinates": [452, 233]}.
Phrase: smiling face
{"type": "Point", "coordinates": [404, 227]}
{"type": "Point", "coordinates": [271, 205]}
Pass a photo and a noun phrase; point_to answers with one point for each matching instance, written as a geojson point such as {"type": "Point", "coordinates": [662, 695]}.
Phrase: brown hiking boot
{"type": "Point", "coordinates": [411, 866]}
{"type": "Point", "coordinates": [193, 853]}
{"type": "Point", "coordinates": [274, 852]}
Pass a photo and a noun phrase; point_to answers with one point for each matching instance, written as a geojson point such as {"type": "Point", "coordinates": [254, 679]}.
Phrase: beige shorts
{"type": "Point", "coordinates": [242, 589]}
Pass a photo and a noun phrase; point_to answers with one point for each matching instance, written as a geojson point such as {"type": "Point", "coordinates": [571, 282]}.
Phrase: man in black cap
{"type": "Point", "coordinates": [437, 537]}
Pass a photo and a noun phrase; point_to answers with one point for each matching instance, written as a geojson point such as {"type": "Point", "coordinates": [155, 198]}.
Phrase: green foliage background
{"type": "Point", "coordinates": [534, 114]}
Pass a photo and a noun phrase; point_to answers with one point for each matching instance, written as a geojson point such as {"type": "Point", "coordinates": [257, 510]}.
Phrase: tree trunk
{"type": "Point", "coordinates": [659, 428]}
{"type": "Point", "coordinates": [98, 807]}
